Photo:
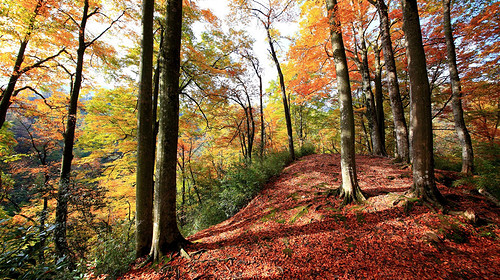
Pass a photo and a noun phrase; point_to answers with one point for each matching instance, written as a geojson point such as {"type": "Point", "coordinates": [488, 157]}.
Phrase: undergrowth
{"type": "Point", "coordinates": [240, 183]}
{"type": "Point", "coordinates": [28, 253]}
{"type": "Point", "coordinates": [487, 164]}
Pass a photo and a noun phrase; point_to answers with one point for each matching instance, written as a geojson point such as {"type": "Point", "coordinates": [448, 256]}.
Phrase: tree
{"type": "Point", "coordinates": [258, 72]}
{"type": "Point", "coordinates": [424, 186]}
{"type": "Point", "coordinates": [350, 190]}
{"type": "Point", "coordinates": [166, 235]}
{"type": "Point", "coordinates": [69, 133]}
{"type": "Point", "coordinates": [456, 92]}
{"type": "Point", "coordinates": [267, 15]}
{"type": "Point", "coordinates": [19, 69]}
{"type": "Point", "coordinates": [363, 65]}
{"type": "Point", "coordinates": [146, 140]}
{"type": "Point", "coordinates": [400, 127]}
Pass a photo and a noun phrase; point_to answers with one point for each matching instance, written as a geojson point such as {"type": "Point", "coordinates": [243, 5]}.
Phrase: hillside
{"type": "Point", "coordinates": [295, 229]}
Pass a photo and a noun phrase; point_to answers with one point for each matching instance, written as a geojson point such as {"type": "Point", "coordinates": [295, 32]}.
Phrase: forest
{"type": "Point", "coordinates": [249, 139]}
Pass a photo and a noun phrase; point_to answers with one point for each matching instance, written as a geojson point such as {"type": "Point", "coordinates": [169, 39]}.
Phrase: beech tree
{"type": "Point", "coordinates": [400, 126]}
{"type": "Point", "coordinates": [350, 190]}
{"type": "Point", "coordinates": [363, 65]}
{"type": "Point", "coordinates": [456, 93]}
{"type": "Point", "coordinates": [146, 140]}
{"type": "Point", "coordinates": [166, 235]}
{"type": "Point", "coordinates": [69, 133]}
{"type": "Point", "coordinates": [424, 186]}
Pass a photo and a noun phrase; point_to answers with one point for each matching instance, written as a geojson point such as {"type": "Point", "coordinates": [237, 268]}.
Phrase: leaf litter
{"type": "Point", "coordinates": [295, 229]}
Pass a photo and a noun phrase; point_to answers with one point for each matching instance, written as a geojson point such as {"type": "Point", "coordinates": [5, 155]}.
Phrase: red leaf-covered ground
{"type": "Point", "coordinates": [294, 229]}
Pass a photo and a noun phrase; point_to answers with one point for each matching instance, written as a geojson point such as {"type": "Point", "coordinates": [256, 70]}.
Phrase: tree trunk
{"type": "Point", "coordinates": [456, 91]}
{"type": "Point", "coordinates": [166, 235]}
{"type": "Point", "coordinates": [424, 186]}
{"type": "Point", "coordinates": [350, 189]}
{"type": "Point", "coordinates": [16, 73]}
{"type": "Point", "coordinates": [63, 194]}
{"type": "Point", "coordinates": [379, 97]}
{"type": "Point", "coordinates": [377, 146]}
{"type": "Point", "coordinates": [400, 127]}
{"type": "Point", "coordinates": [250, 128]}
{"type": "Point", "coordinates": [262, 124]}
{"type": "Point", "coordinates": [146, 139]}
{"type": "Point", "coordinates": [283, 95]}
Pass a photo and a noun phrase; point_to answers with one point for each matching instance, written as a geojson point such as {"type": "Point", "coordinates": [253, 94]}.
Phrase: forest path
{"type": "Point", "coordinates": [295, 229]}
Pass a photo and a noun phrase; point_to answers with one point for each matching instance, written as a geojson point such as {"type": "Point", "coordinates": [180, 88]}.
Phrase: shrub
{"type": "Point", "coordinates": [306, 149]}
{"type": "Point", "coordinates": [226, 196]}
{"type": "Point", "coordinates": [25, 254]}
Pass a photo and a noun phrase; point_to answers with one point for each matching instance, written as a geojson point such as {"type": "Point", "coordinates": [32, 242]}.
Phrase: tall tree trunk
{"type": "Point", "coordinates": [262, 124]}
{"type": "Point", "coordinates": [166, 235]}
{"type": "Point", "coordinates": [424, 186]}
{"type": "Point", "coordinates": [286, 106]}
{"type": "Point", "coordinates": [379, 97]}
{"type": "Point", "coordinates": [69, 139]}
{"type": "Point", "coordinates": [378, 148]}
{"type": "Point", "coordinates": [456, 91]}
{"type": "Point", "coordinates": [146, 139]}
{"type": "Point", "coordinates": [350, 189]}
{"type": "Point", "coordinates": [400, 127]}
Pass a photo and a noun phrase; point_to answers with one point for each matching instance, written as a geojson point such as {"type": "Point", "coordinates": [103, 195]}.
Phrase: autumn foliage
{"type": "Point", "coordinates": [245, 217]}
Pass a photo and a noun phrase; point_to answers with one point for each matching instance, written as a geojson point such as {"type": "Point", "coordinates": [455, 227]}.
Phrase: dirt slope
{"type": "Point", "coordinates": [294, 229]}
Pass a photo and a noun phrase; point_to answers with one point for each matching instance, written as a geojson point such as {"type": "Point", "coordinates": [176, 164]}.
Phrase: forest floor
{"type": "Point", "coordinates": [296, 229]}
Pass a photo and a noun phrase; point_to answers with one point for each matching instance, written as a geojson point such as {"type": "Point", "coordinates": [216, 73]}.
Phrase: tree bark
{"type": "Point", "coordinates": [400, 127]}
{"type": "Point", "coordinates": [63, 194]}
{"type": "Point", "coordinates": [350, 190]}
{"type": "Point", "coordinates": [424, 186]}
{"type": "Point", "coordinates": [286, 106]}
{"type": "Point", "coordinates": [379, 97]}
{"type": "Point", "coordinates": [456, 91]}
{"type": "Point", "coordinates": [166, 235]}
{"type": "Point", "coordinates": [377, 146]}
{"type": "Point", "coordinates": [146, 139]}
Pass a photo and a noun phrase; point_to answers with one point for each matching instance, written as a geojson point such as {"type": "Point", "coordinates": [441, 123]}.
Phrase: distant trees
{"type": "Point", "coordinates": [268, 14]}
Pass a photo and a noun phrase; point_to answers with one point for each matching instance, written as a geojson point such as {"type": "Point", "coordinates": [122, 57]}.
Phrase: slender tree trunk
{"type": "Point", "coordinates": [350, 189]}
{"type": "Point", "coordinates": [456, 101]}
{"type": "Point", "coordinates": [63, 194]}
{"type": "Point", "coordinates": [166, 235]}
{"type": "Point", "coordinates": [146, 139]}
{"type": "Point", "coordinates": [379, 97]}
{"type": "Point", "coordinates": [378, 148]}
{"type": "Point", "coordinates": [262, 124]}
{"type": "Point", "coordinates": [261, 94]}
{"type": "Point", "coordinates": [283, 95]}
{"type": "Point", "coordinates": [400, 127]}
{"type": "Point", "coordinates": [250, 128]}
{"type": "Point", "coordinates": [43, 220]}
{"type": "Point", "coordinates": [424, 186]}
{"type": "Point", "coordinates": [16, 73]}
